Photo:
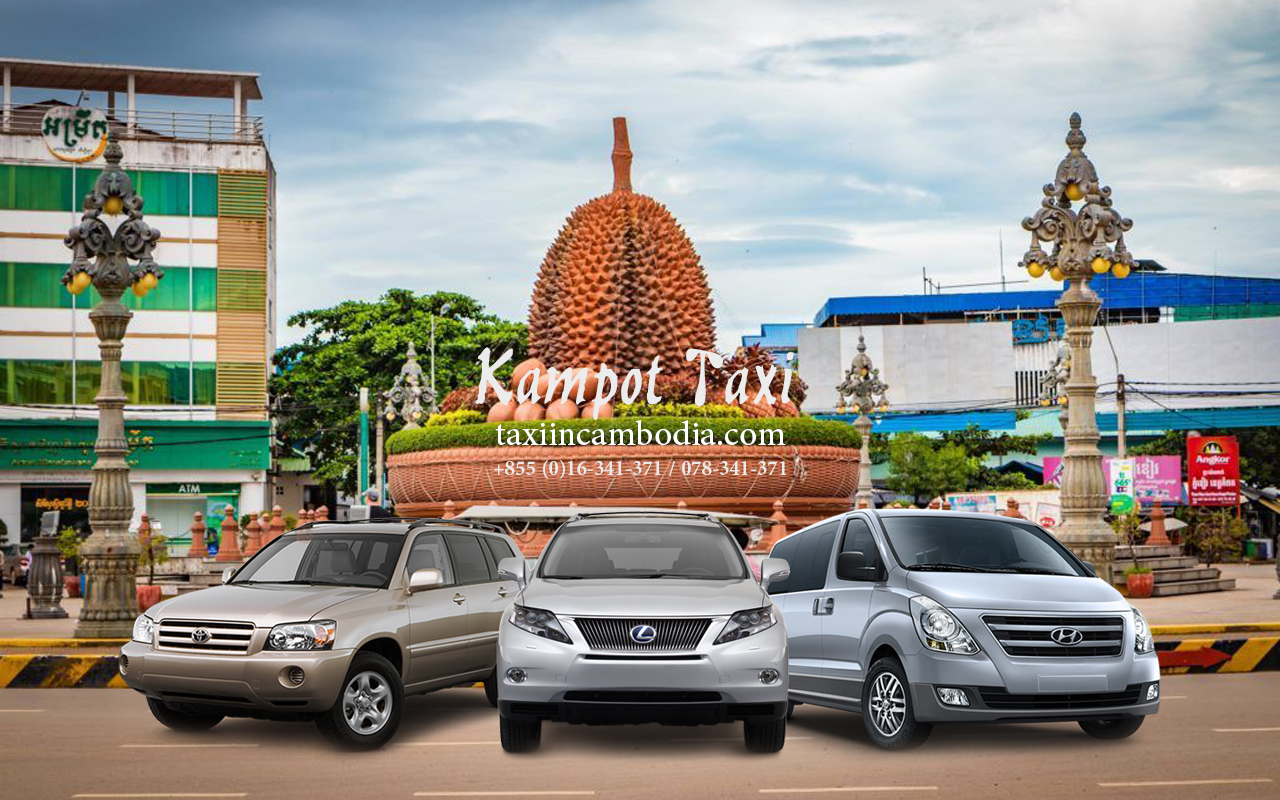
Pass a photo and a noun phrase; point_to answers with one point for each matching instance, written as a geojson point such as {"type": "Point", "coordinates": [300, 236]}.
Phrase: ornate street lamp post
{"type": "Point", "coordinates": [103, 259]}
{"type": "Point", "coordinates": [1085, 242]}
{"type": "Point", "coordinates": [862, 383]}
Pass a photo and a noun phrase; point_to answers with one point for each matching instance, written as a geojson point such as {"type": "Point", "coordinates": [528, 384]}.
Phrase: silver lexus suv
{"type": "Point", "coordinates": [332, 622]}
{"type": "Point", "coordinates": [920, 617]}
{"type": "Point", "coordinates": [639, 617]}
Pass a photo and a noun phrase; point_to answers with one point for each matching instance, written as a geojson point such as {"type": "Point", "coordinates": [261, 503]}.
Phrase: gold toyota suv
{"type": "Point", "coordinates": [335, 622]}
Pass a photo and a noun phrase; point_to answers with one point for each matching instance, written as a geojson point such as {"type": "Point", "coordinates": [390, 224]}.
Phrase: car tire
{"type": "Point", "coordinates": [791, 708]}
{"type": "Point", "coordinates": [765, 737]}
{"type": "Point", "coordinates": [491, 688]}
{"type": "Point", "coordinates": [887, 712]}
{"type": "Point", "coordinates": [520, 736]}
{"type": "Point", "coordinates": [367, 711]}
{"type": "Point", "coordinates": [180, 720]}
{"type": "Point", "coordinates": [1111, 728]}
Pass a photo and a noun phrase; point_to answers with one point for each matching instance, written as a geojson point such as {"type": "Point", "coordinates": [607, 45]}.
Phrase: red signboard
{"type": "Point", "coordinates": [1213, 470]}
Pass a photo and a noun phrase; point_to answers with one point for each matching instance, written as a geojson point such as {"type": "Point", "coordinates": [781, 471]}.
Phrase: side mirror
{"type": "Point", "coordinates": [227, 573]}
{"type": "Point", "coordinates": [512, 569]}
{"type": "Point", "coordinates": [424, 579]}
{"type": "Point", "coordinates": [1088, 565]}
{"type": "Point", "coordinates": [853, 567]}
{"type": "Point", "coordinates": [774, 569]}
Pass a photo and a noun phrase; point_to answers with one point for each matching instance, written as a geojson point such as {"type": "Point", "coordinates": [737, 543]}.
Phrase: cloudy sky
{"type": "Point", "coordinates": [810, 149]}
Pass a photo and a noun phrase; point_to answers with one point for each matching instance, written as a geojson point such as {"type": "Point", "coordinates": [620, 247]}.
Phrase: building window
{"type": "Point", "coordinates": [26, 285]}
{"type": "Point", "coordinates": [25, 187]}
{"type": "Point", "coordinates": [151, 383]}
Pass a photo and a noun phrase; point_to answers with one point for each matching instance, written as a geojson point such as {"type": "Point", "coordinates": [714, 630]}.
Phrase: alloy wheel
{"type": "Point", "coordinates": [888, 704]}
{"type": "Point", "coordinates": [366, 703]}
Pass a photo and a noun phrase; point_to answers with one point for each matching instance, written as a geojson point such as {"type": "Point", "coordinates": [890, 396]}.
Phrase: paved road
{"type": "Point", "coordinates": [1216, 737]}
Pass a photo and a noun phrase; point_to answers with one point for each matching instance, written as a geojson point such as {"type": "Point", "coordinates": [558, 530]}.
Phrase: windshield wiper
{"type": "Point", "coordinates": [562, 577]}
{"type": "Point", "coordinates": [1038, 571]}
{"type": "Point", "coordinates": [292, 583]}
{"type": "Point", "coordinates": [944, 566]}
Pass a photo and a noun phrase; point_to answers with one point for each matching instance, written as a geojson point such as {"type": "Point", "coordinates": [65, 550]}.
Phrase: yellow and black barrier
{"type": "Point", "coordinates": [1199, 656]}
{"type": "Point", "coordinates": [60, 672]}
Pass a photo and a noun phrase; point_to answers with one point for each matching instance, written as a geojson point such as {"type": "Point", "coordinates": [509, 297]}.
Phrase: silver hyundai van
{"type": "Point", "coordinates": [639, 617]}
{"type": "Point", "coordinates": [914, 618]}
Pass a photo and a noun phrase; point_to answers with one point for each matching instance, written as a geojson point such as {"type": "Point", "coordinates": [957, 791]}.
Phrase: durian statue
{"type": "Point", "coordinates": [621, 284]}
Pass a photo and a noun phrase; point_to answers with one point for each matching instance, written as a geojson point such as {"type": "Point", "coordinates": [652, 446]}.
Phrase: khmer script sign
{"type": "Point", "coordinates": [73, 133]}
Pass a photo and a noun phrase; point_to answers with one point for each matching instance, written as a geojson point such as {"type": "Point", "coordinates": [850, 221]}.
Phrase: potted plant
{"type": "Point", "coordinates": [69, 548]}
{"type": "Point", "coordinates": [1139, 581]}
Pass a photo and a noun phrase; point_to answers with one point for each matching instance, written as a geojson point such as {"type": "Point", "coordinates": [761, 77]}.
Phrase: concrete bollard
{"type": "Point", "coordinates": [198, 528]}
{"type": "Point", "coordinates": [229, 544]}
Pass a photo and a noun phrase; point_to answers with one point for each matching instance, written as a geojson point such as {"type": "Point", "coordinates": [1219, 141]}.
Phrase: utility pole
{"type": "Point", "coordinates": [362, 482]}
{"type": "Point", "coordinates": [1120, 444]}
{"type": "Point", "coordinates": [377, 457]}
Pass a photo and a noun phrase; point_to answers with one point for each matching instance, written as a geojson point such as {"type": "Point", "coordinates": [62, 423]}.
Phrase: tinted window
{"type": "Point", "coordinates": [858, 539]}
{"type": "Point", "coordinates": [983, 543]}
{"type": "Point", "coordinates": [809, 571]}
{"type": "Point", "coordinates": [500, 548]}
{"type": "Point", "coordinates": [344, 559]}
{"type": "Point", "coordinates": [429, 553]}
{"type": "Point", "coordinates": [695, 551]}
{"type": "Point", "coordinates": [784, 549]}
{"type": "Point", "coordinates": [468, 559]}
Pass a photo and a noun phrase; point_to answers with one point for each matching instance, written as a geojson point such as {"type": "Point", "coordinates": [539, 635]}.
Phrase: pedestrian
{"type": "Point", "coordinates": [376, 511]}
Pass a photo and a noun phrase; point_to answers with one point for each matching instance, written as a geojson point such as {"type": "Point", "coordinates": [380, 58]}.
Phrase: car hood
{"type": "Point", "coordinates": [265, 605]}
{"type": "Point", "coordinates": [1017, 592]}
{"type": "Point", "coordinates": [660, 597]}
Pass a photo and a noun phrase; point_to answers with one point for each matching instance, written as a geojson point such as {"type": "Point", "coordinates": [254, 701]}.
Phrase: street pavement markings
{"type": "Point", "coordinates": [503, 794]}
{"type": "Point", "coordinates": [180, 746]}
{"type": "Point", "coordinates": [21, 710]}
{"type": "Point", "coordinates": [105, 795]}
{"type": "Point", "coordinates": [1202, 782]}
{"type": "Point", "coordinates": [733, 739]}
{"type": "Point", "coordinates": [833, 789]}
{"type": "Point", "coordinates": [447, 744]}
{"type": "Point", "coordinates": [1245, 730]}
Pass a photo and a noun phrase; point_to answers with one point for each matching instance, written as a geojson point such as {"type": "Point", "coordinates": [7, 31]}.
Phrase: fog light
{"type": "Point", "coordinates": [297, 676]}
{"type": "Point", "coordinates": [1153, 691]}
{"type": "Point", "coordinates": [769, 676]}
{"type": "Point", "coordinates": [517, 675]}
{"type": "Point", "coordinates": [953, 697]}
{"type": "Point", "coordinates": [124, 665]}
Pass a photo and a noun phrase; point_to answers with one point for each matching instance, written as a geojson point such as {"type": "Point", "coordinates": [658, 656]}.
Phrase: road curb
{"type": "Point", "coordinates": [1219, 656]}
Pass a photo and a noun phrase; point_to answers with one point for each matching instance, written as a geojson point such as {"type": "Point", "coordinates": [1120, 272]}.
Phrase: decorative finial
{"type": "Point", "coordinates": [621, 156]}
{"type": "Point", "coordinates": [862, 344]}
{"type": "Point", "coordinates": [1075, 137]}
{"type": "Point", "coordinates": [113, 154]}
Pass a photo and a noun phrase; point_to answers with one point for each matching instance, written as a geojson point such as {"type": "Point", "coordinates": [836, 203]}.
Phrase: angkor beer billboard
{"type": "Point", "coordinates": [1213, 470]}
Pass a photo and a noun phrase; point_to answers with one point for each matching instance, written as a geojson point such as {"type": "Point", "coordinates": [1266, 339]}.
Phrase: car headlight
{"type": "Point", "coordinates": [746, 623]}
{"type": "Point", "coordinates": [539, 623]}
{"type": "Point", "coordinates": [939, 629]}
{"type": "Point", "coordinates": [1143, 641]}
{"type": "Point", "coordinates": [315, 635]}
{"type": "Point", "coordinates": [144, 630]}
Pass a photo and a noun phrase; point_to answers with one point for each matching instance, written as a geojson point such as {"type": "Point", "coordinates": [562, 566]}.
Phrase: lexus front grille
{"type": "Point", "coordinates": [205, 636]}
{"type": "Point", "coordinates": [668, 635]}
{"type": "Point", "coordinates": [1033, 636]}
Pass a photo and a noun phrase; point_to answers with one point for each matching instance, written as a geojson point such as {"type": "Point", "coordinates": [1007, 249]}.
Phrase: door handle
{"type": "Point", "coordinates": [816, 601]}
{"type": "Point", "coordinates": [825, 608]}
{"type": "Point", "coordinates": [830, 606]}
{"type": "Point", "coordinates": [502, 591]}
{"type": "Point", "coordinates": [459, 599]}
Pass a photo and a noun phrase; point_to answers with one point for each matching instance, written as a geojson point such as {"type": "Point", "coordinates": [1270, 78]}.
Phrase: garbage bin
{"type": "Point", "coordinates": [1259, 549]}
{"type": "Point", "coordinates": [1251, 550]}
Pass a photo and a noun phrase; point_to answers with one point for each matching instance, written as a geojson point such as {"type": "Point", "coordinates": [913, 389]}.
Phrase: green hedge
{"type": "Point", "coordinates": [795, 431]}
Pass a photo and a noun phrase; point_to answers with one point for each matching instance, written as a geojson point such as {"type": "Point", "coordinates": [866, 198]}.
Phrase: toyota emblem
{"type": "Point", "coordinates": [643, 634]}
{"type": "Point", "coordinates": [200, 636]}
{"type": "Point", "coordinates": [1066, 636]}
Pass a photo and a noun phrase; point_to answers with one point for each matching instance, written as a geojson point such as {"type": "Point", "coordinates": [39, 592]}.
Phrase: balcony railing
{"type": "Point", "coordinates": [181, 126]}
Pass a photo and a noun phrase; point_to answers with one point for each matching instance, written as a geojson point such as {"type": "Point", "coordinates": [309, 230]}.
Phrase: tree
{"type": "Point", "coordinates": [1259, 451]}
{"type": "Point", "coordinates": [977, 444]}
{"type": "Point", "coordinates": [1216, 533]}
{"type": "Point", "coordinates": [919, 466]}
{"type": "Point", "coordinates": [356, 343]}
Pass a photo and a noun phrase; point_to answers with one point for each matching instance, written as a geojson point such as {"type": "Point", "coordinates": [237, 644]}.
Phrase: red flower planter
{"type": "Point", "coordinates": [71, 585]}
{"type": "Point", "coordinates": [148, 596]}
{"type": "Point", "coordinates": [1139, 584]}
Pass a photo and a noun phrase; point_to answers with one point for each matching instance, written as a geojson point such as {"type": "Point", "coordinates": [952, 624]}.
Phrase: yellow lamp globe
{"type": "Point", "coordinates": [149, 280]}
{"type": "Point", "coordinates": [139, 290]}
{"type": "Point", "coordinates": [1056, 274]}
{"type": "Point", "coordinates": [1120, 270]}
{"type": "Point", "coordinates": [113, 205]}
{"type": "Point", "coordinates": [1100, 264]}
{"type": "Point", "coordinates": [1035, 269]}
{"type": "Point", "coordinates": [79, 282]}
{"type": "Point", "coordinates": [1074, 192]}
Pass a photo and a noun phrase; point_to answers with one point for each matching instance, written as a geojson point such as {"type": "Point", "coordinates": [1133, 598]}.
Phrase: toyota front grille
{"type": "Point", "coordinates": [205, 636]}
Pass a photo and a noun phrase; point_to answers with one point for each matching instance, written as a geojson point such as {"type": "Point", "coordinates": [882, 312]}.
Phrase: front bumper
{"type": "Point", "coordinates": [252, 683]}
{"type": "Point", "coordinates": [711, 684]}
{"type": "Point", "coordinates": [994, 704]}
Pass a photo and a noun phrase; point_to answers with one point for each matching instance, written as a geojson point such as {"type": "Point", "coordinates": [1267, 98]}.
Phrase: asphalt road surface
{"type": "Point", "coordinates": [1216, 736]}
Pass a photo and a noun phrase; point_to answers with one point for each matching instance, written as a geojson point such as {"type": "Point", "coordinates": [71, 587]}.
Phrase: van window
{"type": "Point", "coordinates": [812, 557]}
{"type": "Point", "coordinates": [784, 549]}
{"type": "Point", "coordinates": [858, 539]}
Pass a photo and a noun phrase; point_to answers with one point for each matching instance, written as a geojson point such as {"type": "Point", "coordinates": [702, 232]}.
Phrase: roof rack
{"type": "Point", "coordinates": [414, 522]}
{"type": "Point", "coordinates": [645, 513]}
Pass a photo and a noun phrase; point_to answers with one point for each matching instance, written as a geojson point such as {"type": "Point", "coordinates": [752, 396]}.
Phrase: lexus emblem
{"type": "Point", "coordinates": [200, 636]}
{"type": "Point", "coordinates": [643, 634]}
{"type": "Point", "coordinates": [1066, 636]}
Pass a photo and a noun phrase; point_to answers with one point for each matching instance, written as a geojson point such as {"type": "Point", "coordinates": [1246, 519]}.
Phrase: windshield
{"type": "Point", "coordinates": [325, 559]}
{"type": "Point", "coordinates": [978, 544]}
{"type": "Point", "coordinates": [706, 552]}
